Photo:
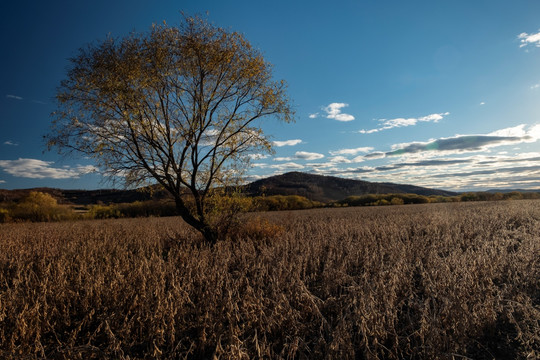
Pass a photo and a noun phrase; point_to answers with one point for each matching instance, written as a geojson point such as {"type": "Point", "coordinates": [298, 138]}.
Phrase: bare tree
{"type": "Point", "coordinates": [180, 106]}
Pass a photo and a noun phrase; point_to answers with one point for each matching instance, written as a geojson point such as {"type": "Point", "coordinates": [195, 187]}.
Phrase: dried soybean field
{"type": "Point", "coordinates": [434, 281]}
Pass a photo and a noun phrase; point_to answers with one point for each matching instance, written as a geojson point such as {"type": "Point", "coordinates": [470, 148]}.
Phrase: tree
{"type": "Point", "coordinates": [180, 106]}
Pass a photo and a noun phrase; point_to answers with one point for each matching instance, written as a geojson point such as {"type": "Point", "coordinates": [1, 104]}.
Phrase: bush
{"type": "Point", "coordinates": [256, 229]}
{"type": "Point", "coordinates": [146, 209]}
{"type": "Point", "coordinates": [104, 212]}
{"type": "Point", "coordinates": [514, 195]}
{"type": "Point", "coordinates": [4, 216]}
{"type": "Point", "coordinates": [38, 206]}
{"type": "Point", "coordinates": [384, 199]}
{"type": "Point", "coordinates": [283, 202]}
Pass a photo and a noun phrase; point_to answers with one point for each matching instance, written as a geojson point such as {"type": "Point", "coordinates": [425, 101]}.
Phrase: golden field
{"type": "Point", "coordinates": [432, 281]}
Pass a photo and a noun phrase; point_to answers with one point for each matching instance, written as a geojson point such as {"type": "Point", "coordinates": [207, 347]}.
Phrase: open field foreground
{"type": "Point", "coordinates": [418, 282]}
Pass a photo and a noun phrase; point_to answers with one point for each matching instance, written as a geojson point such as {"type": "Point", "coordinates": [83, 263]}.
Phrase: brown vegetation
{"type": "Point", "coordinates": [423, 281]}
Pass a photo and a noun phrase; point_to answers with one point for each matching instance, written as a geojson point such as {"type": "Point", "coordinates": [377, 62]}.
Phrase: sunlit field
{"type": "Point", "coordinates": [433, 281]}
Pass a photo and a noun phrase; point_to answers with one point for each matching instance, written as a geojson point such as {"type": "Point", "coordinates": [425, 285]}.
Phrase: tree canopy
{"type": "Point", "coordinates": [181, 106]}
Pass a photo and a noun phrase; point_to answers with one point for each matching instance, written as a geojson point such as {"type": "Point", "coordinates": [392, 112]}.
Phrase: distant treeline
{"type": "Point", "coordinates": [38, 206]}
{"type": "Point", "coordinates": [403, 199]}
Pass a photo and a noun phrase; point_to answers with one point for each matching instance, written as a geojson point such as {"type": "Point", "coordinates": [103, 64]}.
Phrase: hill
{"type": "Point", "coordinates": [331, 188]}
{"type": "Point", "coordinates": [314, 187]}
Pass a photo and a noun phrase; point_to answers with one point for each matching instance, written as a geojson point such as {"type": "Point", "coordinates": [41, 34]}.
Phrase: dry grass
{"type": "Point", "coordinates": [427, 281]}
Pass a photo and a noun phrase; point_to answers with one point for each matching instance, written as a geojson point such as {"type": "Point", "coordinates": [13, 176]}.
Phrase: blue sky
{"type": "Point", "coordinates": [443, 94]}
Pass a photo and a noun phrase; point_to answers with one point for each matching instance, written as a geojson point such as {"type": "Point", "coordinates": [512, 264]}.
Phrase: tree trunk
{"type": "Point", "coordinates": [210, 234]}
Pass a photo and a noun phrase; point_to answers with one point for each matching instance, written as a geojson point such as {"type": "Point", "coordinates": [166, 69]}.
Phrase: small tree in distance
{"type": "Point", "coordinates": [180, 106]}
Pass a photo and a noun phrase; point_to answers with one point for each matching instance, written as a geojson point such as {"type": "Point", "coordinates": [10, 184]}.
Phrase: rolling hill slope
{"type": "Point", "coordinates": [330, 188]}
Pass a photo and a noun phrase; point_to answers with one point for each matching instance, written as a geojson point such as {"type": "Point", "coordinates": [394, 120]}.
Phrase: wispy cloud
{"type": "Point", "coordinates": [465, 143]}
{"type": "Point", "coordinates": [287, 142]}
{"type": "Point", "coordinates": [351, 151]}
{"type": "Point", "coordinates": [473, 172]}
{"type": "Point", "coordinates": [301, 155]}
{"type": "Point", "coordinates": [529, 39]}
{"type": "Point", "coordinates": [39, 169]}
{"type": "Point", "coordinates": [10, 143]}
{"type": "Point", "coordinates": [2, 181]}
{"type": "Point", "coordinates": [519, 131]}
{"type": "Point", "coordinates": [14, 97]}
{"type": "Point", "coordinates": [287, 166]}
{"type": "Point", "coordinates": [403, 122]}
{"type": "Point", "coordinates": [509, 170]}
{"type": "Point", "coordinates": [424, 163]}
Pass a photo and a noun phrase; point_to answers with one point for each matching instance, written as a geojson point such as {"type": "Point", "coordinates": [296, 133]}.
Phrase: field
{"type": "Point", "coordinates": [445, 281]}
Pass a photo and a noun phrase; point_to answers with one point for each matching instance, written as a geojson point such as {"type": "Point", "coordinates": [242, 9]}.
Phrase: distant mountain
{"type": "Point", "coordinates": [330, 188]}
{"type": "Point", "coordinates": [314, 187]}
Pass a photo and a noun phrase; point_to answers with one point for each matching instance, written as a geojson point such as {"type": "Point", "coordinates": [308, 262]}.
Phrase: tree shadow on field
{"type": "Point", "coordinates": [498, 340]}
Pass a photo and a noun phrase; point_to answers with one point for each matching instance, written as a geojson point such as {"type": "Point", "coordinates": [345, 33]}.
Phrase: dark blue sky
{"type": "Point", "coordinates": [369, 80]}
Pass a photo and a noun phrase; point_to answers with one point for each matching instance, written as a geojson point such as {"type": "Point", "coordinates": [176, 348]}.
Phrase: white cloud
{"type": "Point", "coordinates": [351, 151]}
{"type": "Point", "coordinates": [358, 159]}
{"type": "Point", "coordinates": [301, 155]}
{"type": "Point", "coordinates": [260, 165]}
{"type": "Point", "coordinates": [288, 166]}
{"type": "Point", "coordinates": [10, 143]}
{"type": "Point", "coordinates": [339, 160]}
{"type": "Point", "coordinates": [534, 132]}
{"type": "Point", "coordinates": [313, 116]}
{"type": "Point", "coordinates": [454, 173]}
{"type": "Point", "coordinates": [2, 181]}
{"type": "Point", "coordinates": [403, 122]}
{"type": "Point", "coordinates": [15, 97]}
{"type": "Point", "coordinates": [529, 39]}
{"type": "Point", "coordinates": [39, 169]}
{"type": "Point", "coordinates": [465, 143]}
{"type": "Point", "coordinates": [287, 142]}
{"type": "Point", "coordinates": [333, 162]}
{"type": "Point", "coordinates": [516, 131]}
{"type": "Point", "coordinates": [258, 156]}
{"type": "Point", "coordinates": [535, 86]}
{"type": "Point", "coordinates": [304, 155]}
{"type": "Point", "coordinates": [333, 111]}
{"type": "Point", "coordinates": [375, 155]}
{"type": "Point", "coordinates": [254, 177]}
{"type": "Point", "coordinates": [482, 103]}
